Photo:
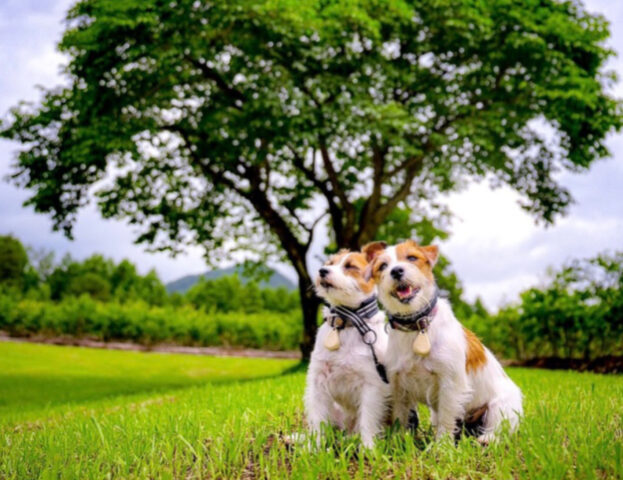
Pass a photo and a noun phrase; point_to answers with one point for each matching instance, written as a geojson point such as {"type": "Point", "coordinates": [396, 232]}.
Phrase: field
{"type": "Point", "coordinates": [70, 412]}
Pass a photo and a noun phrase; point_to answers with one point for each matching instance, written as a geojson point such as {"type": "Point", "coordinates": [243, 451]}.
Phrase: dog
{"type": "Point", "coordinates": [345, 385]}
{"type": "Point", "coordinates": [431, 358]}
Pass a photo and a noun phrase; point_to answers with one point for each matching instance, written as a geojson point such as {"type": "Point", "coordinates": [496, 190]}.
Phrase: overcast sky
{"type": "Point", "coordinates": [495, 247]}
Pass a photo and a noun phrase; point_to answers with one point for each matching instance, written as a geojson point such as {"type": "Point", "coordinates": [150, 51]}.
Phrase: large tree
{"type": "Point", "coordinates": [240, 125]}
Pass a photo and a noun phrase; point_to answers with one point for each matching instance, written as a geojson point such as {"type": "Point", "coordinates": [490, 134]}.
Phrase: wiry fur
{"type": "Point", "coordinates": [459, 374]}
{"type": "Point", "coordinates": [343, 387]}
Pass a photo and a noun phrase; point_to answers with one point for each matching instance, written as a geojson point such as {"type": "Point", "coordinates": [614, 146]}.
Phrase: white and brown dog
{"type": "Point", "coordinates": [345, 385]}
{"type": "Point", "coordinates": [431, 358]}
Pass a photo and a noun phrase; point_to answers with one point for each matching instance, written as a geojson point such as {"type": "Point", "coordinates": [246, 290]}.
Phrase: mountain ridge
{"type": "Point", "coordinates": [183, 284]}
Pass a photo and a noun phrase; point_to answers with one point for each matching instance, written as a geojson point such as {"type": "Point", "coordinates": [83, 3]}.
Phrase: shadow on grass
{"type": "Point", "coordinates": [31, 392]}
{"type": "Point", "coordinates": [300, 367]}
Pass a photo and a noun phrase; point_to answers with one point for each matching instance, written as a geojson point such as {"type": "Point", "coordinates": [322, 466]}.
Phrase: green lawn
{"type": "Point", "coordinates": [78, 413]}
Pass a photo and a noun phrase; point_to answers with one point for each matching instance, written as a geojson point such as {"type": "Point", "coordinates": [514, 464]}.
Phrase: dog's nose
{"type": "Point", "coordinates": [323, 272]}
{"type": "Point", "coordinates": [397, 273]}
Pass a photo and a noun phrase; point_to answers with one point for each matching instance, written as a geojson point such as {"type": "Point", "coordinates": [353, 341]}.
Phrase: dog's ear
{"type": "Point", "coordinates": [432, 253]}
{"type": "Point", "coordinates": [373, 249]}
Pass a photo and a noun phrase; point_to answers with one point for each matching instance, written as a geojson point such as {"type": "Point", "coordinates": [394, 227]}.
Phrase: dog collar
{"type": "Point", "coordinates": [357, 318]}
{"type": "Point", "coordinates": [418, 321]}
{"type": "Point", "coordinates": [341, 316]}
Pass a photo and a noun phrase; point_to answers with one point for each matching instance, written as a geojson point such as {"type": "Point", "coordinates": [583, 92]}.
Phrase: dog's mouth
{"type": "Point", "coordinates": [405, 292]}
{"type": "Point", "coordinates": [326, 285]}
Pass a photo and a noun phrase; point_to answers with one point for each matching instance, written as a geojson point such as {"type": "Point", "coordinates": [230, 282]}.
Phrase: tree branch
{"type": "Point", "coordinates": [258, 198]}
{"type": "Point", "coordinates": [414, 167]}
{"type": "Point", "coordinates": [373, 201]}
{"type": "Point", "coordinates": [215, 175]}
{"type": "Point", "coordinates": [298, 220]}
{"type": "Point", "coordinates": [295, 250]}
{"type": "Point", "coordinates": [336, 188]}
{"type": "Point", "coordinates": [334, 210]}
{"type": "Point", "coordinates": [211, 74]}
{"type": "Point", "coordinates": [312, 228]}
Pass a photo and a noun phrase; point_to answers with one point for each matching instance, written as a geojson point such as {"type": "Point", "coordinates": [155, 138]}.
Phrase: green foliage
{"type": "Point", "coordinates": [228, 294]}
{"type": "Point", "coordinates": [127, 284]}
{"type": "Point", "coordinates": [449, 283]}
{"type": "Point", "coordinates": [91, 284]}
{"type": "Point", "coordinates": [135, 416]}
{"type": "Point", "coordinates": [13, 263]}
{"type": "Point", "coordinates": [578, 314]}
{"type": "Point", "coordinates": [279, 299]}
{"type": "Point", "coordinates": [141, 323]}
{"type": "Point", "coordinates": [101, 279]}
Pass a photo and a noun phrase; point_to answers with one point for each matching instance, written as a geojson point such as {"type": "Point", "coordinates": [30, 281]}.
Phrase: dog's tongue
{"type": "Point", "coordinates": [404, 291]}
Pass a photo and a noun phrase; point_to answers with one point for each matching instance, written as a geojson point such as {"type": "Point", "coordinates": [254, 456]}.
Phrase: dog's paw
{"type": "Point", "coordinates": [413, 422]}
{"type": "Point", "coordinates": [296, 438]}
{"type": "Point", "coordinates": [305, 440]}
{"type": "Point", "coordinates": [367, 444]}
{"type": "Point", "coordinates": [485, 439]}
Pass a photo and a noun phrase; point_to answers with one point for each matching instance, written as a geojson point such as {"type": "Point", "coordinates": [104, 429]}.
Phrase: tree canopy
{"type": "Point", "coordinates": [241, 125]}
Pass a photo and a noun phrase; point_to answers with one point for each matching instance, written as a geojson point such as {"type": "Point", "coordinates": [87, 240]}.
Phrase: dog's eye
{"type": "Point", "coordinates": [412, 258]}
{"type": "Point", "coordinates": [350, 266]}
{"type": "Point", "coordinates": [382, 267]}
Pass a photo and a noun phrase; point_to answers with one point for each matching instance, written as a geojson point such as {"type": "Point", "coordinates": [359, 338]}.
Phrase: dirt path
{"type": "Point", "coordinates": [161, 348]}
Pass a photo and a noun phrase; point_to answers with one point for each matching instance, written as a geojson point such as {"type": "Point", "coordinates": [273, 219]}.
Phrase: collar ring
{"type": "Point", "coordinates": [369, 339]}
{"type": "Point", "coordinates": [422, 324]}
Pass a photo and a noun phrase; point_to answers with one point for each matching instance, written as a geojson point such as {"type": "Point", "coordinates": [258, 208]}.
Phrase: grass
{"type": "Point", "coordinates": [39, 380]}
{"type": "Point", "coordinates": [78, 413]}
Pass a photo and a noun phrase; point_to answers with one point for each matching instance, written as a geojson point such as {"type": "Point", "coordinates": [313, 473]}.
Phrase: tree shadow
{"type": "Point", "coordinates": [29, 392]}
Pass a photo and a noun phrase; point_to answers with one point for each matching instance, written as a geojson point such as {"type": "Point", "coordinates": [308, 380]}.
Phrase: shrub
{"type": "Point", "coordinates": [579, 314]}
{"type": "Point", "coordinates": [148, 325]}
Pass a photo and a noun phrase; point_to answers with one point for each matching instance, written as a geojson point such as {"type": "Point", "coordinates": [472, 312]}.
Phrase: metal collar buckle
{"type": "Point", "coordinates": [422, 324]}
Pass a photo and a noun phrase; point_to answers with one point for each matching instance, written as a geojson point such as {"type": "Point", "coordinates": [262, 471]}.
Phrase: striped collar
{"type": "Point", "coordinates": [342, 316]}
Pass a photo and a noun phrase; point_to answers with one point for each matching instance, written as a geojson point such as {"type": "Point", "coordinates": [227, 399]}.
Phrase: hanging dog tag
{"type": "Point", "coordinates": [421, 344]}
{"type": "Point", "coordinates": [332, 340]}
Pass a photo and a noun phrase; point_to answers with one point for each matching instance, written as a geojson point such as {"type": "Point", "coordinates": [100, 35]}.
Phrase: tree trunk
{"type": "Point", "coordinates": [309, 306]}
{"type": "Point", "coordinates": [297, 253]}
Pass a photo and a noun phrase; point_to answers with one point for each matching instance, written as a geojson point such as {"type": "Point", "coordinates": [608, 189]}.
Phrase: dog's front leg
{"type": "Point", "coordinates": [318, 404]}
{"type": "Point", "coordinates": [433, 416]}
{"type": "Point", "coordinates": [400, 402]}
{"type": "Point", "coordinates": [453, 393]}
{"type": "Point", "coordinates": [372, 411]}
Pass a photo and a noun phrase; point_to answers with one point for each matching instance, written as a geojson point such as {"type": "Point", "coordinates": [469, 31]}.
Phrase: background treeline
{"type": "Point", "coordinates": [35, 275]}
{"type": "Point", "coordinates": [576, 313]}
{"type": "Point", "coordinates": [104, 300]}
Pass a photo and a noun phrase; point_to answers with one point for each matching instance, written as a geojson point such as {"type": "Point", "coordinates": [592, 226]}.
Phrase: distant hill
{"type": "Point", "coordinates": [181, 285]}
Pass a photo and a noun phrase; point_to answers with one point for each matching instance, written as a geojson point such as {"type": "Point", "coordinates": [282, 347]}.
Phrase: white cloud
{"type": "Point", "coordinates": [482, 217]}
{"type": "Point", "coordinates": [498, 250]}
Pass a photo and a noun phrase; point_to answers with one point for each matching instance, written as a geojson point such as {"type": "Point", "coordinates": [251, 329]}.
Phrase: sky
{"type": "Point", "coordinates": [496, 248]}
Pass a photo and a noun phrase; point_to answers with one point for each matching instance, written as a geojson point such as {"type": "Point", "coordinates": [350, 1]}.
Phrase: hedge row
{"type": "Point", "coordinates": [148, 325]}
{"type": "Point", "coordinates": [552, 323]}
